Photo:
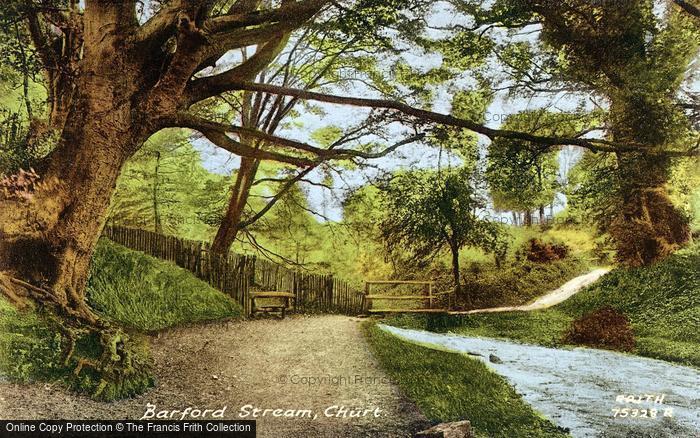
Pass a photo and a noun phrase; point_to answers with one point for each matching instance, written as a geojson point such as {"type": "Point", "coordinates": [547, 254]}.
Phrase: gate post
{"type": "Point", "coordinates": [365, 301]}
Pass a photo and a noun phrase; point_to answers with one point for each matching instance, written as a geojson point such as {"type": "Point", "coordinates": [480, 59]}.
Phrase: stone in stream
{"type": "Point", "coordinates": [458, 429]}
{"type": "Point", "coordinates": [494, 359]}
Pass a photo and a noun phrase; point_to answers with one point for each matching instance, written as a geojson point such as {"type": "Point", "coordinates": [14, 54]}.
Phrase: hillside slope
{"type": "Point", "coordinates": [662, 302]}
{"type": "Point", "coordinates": [144, 293]}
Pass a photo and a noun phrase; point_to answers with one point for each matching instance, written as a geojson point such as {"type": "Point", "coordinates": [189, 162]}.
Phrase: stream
{"type": "Point", "coordinates": [593, 393]}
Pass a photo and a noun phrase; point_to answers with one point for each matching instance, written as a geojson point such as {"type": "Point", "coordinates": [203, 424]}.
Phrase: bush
{"type": "Point", "coordinates": [604, 328]}
{"type": "Point", "coordinates": [538, 251]}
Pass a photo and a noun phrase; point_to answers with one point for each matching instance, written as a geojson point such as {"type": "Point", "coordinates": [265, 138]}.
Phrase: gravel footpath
{"type": "Point", "coordinates": [300, 363]}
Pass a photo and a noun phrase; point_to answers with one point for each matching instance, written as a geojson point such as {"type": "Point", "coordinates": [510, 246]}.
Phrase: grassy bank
{"type": "Point", "coordinates": [450, 387]}
{"type": "Point", "coordinates": [519, 282]}
{"type": "Point", "coordinates": [662, 302]}
{"type": "Point", "coordinates": [144, 293]}
{"type": "Point", "coordinates": [129, 289]}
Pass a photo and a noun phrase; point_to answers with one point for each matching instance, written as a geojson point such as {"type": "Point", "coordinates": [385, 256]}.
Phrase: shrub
{"type": "Point", "coordinates": [603, 328]}
{"type": "Point", "coordinates": [544, 252]}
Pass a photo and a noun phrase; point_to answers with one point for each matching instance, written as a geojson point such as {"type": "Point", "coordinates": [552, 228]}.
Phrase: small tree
{"type": "Point", "coordinates": [429, 211]}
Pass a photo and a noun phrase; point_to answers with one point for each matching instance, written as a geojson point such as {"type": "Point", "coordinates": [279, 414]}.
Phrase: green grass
{"type": "Point", "coordinates": [518, 282]}
{"type": "Point", "coordinates": [450, 387]}
{"type": "Point", "coordinates": [144, 293]}
{"type": "Point", "coordinates": [33, 348]}
{"type": "Point", "coordinates": [662, 302]}
{"type": "Point", "coordinates": [126, 287]}
{"type": "Point", "coordinates": [30, 346]}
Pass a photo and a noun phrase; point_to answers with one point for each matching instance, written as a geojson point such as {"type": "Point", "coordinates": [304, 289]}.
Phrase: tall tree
{"type": "Point", "coordinates": [630, 58]}
{"type": "Point", "coordinates": [640, 71]}
{"type": "Point", "coordinates": [321, 56]}
{"type": "Point", "coordinates": [114, 81]}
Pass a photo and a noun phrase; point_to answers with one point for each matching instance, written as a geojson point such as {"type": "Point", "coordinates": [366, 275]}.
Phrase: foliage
{"type": "Point", "coordinates": [20, 147]}
{"type": "Point", "coordinates": [429, 211]}
{"type": "Point", "coordinates": [30, 347]}
{"type": "Point", "coordinates": [639, 65]}
{"type": "Point", "coordinates": [164, 188]}
{"type": "Point", "coordinates": [146, 294]}
{"type": "Point", "coordinates": [603, 328]}
{"type": "Point", "coordinates": [517, 282]}
{"type": "Point", "coordinates": [593, 190]}
{"type": "Point", "coordinates": [544, 252]}
{"type": "Point", "coordinates": [451, 387]}
{"type": "Point", "coordinates": [685, 188]}
{"type": "Point", "coordinates": [523, 176]}
{"type": "Point", "coordinates": [13, 153]}
{"type": "Point", "coordinates": [662, 302]}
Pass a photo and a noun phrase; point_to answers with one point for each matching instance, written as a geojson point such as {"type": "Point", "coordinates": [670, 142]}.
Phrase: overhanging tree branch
{"type": "Point", "coordinates": [281, 20]}
{"type": "Point", "coordinates": [287, 186]}
{"type": "Point", "coordinates": [595, 145]}
{"type": "Point", "coordinates": [223, 141]}
{"type": "Point", "coordinates": [218, 130]}
{"type": "Point", "coordinates": [48, 56]}
{"type": "Point", "coordinates": [290, 10]}
{"type": "Point", "coordinates": [245, 71]}
{"type": "Point", "coordinates": [689, 8]}
{"type": "Point", "coordinates": [156, 31]}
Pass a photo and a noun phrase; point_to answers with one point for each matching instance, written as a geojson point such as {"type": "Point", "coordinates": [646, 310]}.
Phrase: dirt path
{"type": "Point", "coordinates": [580, 388]}
{"type": "Point", "coordinates": [552, 298]}
{"type": "Point", "coordinates": [299, 363]}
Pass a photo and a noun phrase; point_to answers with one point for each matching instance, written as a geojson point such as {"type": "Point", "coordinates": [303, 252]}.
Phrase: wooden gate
{"type": "Point", "coordinates": [429, 298]}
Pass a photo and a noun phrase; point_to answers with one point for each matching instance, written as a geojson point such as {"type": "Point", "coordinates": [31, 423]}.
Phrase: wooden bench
{"type": "Point", "coordinates": [283, 302]}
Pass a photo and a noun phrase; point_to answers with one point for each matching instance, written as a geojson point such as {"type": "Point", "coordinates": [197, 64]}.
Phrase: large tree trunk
{"type": "Point", "coordinates": [648, 226]}
{"type": "Point", "coordinates": [52, 245]}
{"type": "Point", "coordinates": [49, 227]}
{"type": "Point", "coordinates": [112, 83]}
{"type": "Point", "coordinates": [231, 223]}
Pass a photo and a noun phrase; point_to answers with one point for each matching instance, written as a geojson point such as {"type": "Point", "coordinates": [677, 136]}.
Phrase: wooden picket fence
{"type": "Point", "coordinates": [239, 275]}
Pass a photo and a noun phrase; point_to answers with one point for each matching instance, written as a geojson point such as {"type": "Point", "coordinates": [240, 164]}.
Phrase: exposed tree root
{"type": "Point", "coordinates": [105, 361]}
{"type": "Point", "coordinates": [17, 298]}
